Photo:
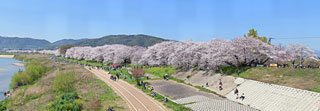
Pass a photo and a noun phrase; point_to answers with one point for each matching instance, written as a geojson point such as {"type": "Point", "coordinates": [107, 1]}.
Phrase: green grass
{"type": "Point", "coordinates": [92, 63]}
{"type": "Point", "coordinates": [177, 80]}
{"type": "Point", "coordinates": [160, 71]}
{"type": "Point", "coordinates": [188, 76]}
{"type": "Point", "coordinates": [30, 98]}
{"type": "Point", "coordinates": [232, 70]}
{"type": "Point", "coordinates": [4, 104]}
{"type": "Point", "coordinates": [109, 95]}
{"type": "Point", "coordinates": [205, 90]}
{"type": "Point", "coordinates": [66, 102]}
{"type": "Point", "coordinates": [93, 93]}
{"type": "Point", "coordinates": [64, 83]}
{"type": "Point", "coordinates": [314, 90]}
{"type": "Point", "coordinates": [308, 79]}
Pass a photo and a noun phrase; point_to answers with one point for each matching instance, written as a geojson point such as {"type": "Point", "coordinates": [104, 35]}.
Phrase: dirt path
{"type": "Point", "coordinates": [136, 99]}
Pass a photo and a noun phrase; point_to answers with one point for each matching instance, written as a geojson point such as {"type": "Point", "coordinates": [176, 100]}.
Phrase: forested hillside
{"type": "Point", "coordinates": [29, 43]}
{"type": "Point", "coordinates": [22, 43]}
{"type": "Point", "coordinates": [130, 40]}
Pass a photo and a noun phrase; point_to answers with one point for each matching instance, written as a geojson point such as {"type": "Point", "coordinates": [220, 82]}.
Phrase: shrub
{"type": "Point", "coordinates": [63, 49]}
{"type": "Point", "coordinates": [35, 72]}
{"type": "Point", "coordinates": [2, 107]}
{"type": "Point", "coordinates": [231, 70]}
{"type": "Point", "coordinates": [137, 73]}
{"type": "Point", "coordinates": [32, 73]}
{"type": "Point", "coordinates": [64, 82]}
{"type": "Point", "coordinates": [20, 79]}
{"type": "Point", "coordinates": [188, 76]}
{"type": "Point", "coordinates": [66, 102]}
{"type": "Point", "coordinates": [4, 104]}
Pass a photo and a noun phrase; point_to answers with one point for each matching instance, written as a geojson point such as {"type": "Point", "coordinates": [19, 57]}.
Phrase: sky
{"type": "Point", "coordinates": [197, 20]}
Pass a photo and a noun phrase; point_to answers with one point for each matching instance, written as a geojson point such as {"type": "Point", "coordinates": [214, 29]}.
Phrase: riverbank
{"type": "Point", "coordinates": [7, 70]}
{"type": "Point", "coordinates": [18, 64]}
{"type": "Point", "coordinates": [6, 56]}
{"type": "Point", "coordinates": [60, 80]}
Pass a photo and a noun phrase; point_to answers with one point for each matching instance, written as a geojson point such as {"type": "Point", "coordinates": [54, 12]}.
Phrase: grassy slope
{"type": "Point", "coordinates": [308, 79]}
{"type": "Point", "coordinates": [95, 94]}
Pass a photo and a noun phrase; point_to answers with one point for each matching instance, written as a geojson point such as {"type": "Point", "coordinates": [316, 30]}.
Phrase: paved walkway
{"type": "Point", "coordinates": [195, 99]}
{"type": "Point", "coordinates": [136, 99]}
{"type": "Point", "coordinates": [271, 97]}
{"type": "Point", "coordinates": [201, 78]}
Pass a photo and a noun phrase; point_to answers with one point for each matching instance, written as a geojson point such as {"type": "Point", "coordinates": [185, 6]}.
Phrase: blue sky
{"type": "Point", "coordinates": [199, 20]}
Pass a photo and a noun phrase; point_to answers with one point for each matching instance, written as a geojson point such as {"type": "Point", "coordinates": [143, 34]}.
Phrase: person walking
{"type": "Point", "coordinates": [236, 91]}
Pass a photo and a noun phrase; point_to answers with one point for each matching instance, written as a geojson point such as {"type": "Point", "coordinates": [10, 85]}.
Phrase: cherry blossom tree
{"type": "Point", "coordinates": [238, 52]}
{"type": "Point", "coordinates": [158, 54]}
{"type": "Point", "coordinates": [244, 51]}
{"type": "Point", "coordinates": [300, 53]}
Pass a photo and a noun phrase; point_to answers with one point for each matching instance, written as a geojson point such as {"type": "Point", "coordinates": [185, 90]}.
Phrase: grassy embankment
{"type": "Point", "coordinates": [308, 79]}
{"type": "Point", "coordinates": [156, 71]}
{"type": "Point", "coordinates": [161, 71]}
{"type": "Point", "coordinates": [46, 85]}
{"type": "Point", "coordinates": [93, 63]}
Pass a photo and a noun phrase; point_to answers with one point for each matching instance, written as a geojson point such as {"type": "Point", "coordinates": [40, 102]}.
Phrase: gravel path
{"type": "Point", "coordinates": [136, 99]}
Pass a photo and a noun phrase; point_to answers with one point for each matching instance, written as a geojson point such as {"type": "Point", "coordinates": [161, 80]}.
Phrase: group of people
{"type": "Point", "coordinates": [143, 84]}
{"type": "Point", "coordinates": [114, 78]}
{"type": "Point", "coordinates": [6, 93]}
{"type": "Point", "coordinates": [110, 109]}
{"type": "Point", "coordinates": [220, 85]}
{"type": "Point", "coordinates": [236, 92]}
{"type": "Point", "coordinates": [165, 99]}
{"type": "Point", "coordinates": [118, 76]}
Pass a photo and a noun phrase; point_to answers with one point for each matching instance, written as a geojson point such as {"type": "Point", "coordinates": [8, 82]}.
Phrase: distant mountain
{"type": "Point", "coordinates": [65, 41]}
{"type": "Point", "coordinates": [29, 43]}
{"type": "Point", "coordinates": [58, 43]}
{"type": "Point", "coordinates": [130, 40]}
{"type": "Point", "coordinates": [22, 43]}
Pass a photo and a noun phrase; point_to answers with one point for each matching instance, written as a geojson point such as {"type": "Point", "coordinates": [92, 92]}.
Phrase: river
{"type": "Point", "coordinates": [7, 70]}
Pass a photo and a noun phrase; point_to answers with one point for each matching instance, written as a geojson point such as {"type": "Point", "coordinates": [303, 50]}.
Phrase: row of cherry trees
{"type": "Point", "coordinates": [243, 51]}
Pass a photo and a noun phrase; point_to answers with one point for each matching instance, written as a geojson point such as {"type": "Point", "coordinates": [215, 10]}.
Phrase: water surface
{"type": "Point", "coordinates": [6, 72]}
